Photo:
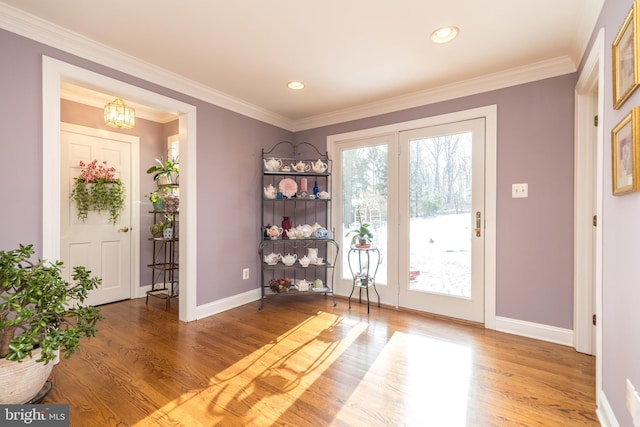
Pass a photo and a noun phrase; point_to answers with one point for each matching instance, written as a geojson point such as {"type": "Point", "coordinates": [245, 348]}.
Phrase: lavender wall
{"type": "Point", "coordinates": [228, 148]}
{"type": "Point", "coordinates": [535, 145]}
{"type": "Point", "coordinates": [621, 246]}
{"type": "Point", "coordinates": [534, 235]}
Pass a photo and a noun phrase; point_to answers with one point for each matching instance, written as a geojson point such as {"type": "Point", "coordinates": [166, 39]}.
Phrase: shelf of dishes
{"type": "Point", "coordinates": [285, 165]}
{"type": "Point", "coordinates": [286, 284]}
{"type": "Point", "coordinates": [289, 189]}
{"type": "Point", "coordinates": [306, 231]}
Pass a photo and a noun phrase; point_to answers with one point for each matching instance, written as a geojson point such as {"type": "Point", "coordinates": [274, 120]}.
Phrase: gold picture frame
{"type": "Point", "coordinates": [624, 52]}
{"type": "Point", "coordinates": [625, 153]}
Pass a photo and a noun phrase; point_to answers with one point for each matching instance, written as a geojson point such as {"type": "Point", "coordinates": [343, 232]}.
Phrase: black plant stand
{"type": "Point", "coordinates": [363, 273]}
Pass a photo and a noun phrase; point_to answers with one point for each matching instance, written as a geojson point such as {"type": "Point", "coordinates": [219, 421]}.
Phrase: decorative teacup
{"type": "Point", "coordinates": [304, 261]}
{"type": "Point", "coordinates": [300, 166]}
{"type": "Point", "coordinates": [289, 259]}
{"type": "Point", "coordinates": [303, 285]}
{"type": "Point", "coordinates": [319, 166]}
{"type": "Point", "coordinates": [323, 195]}
{"type": "Point", "coordinates": [274, 232]}
{"type": "Point", "coordinates": [272, 258]}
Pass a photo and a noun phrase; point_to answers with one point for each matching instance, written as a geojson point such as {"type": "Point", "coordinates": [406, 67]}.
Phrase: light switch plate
{"type": "Point", "coordinates": [519, 191]}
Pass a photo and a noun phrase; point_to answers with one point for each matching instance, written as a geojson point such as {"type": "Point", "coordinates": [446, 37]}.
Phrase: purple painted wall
{"type": "Point", "coordinates": [534, 235]}
{"type": "Point", "coordinates": [229, 145]}
{"type": "Point", "coordinates": [621, 246]}
{"type": "Point", "coordinates": [535, 145]}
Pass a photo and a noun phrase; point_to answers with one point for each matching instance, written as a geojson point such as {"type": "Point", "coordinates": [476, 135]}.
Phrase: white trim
{"type": "Point", "coordinates": [53, 72]}
{"type": "Point", "coordinates": [605, 413]}
{"type": "Point", "coordinates": [490, 112]}
{"type": "Point", "coordinates": [535, 330]}
{"type": "Point", "coordinates": [42, 31]}
{"type": "Point", "coordinates": [228, 303]}
{"type": "Point", "coordinates": [134, 191]}
{"type": "Point", "coordinates": [587, 276]}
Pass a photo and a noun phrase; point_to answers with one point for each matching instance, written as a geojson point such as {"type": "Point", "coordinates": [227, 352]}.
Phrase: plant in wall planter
{"type": "Point", "coordinates": [40, 315]}
{"type": "Point", "coordinates": [97, 188]}
{"type": "Point", "coordinates": [165, 172]}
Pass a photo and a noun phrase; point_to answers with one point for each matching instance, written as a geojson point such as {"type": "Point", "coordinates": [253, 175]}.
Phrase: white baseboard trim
{"type": "Point", "coordinates": [225, 304]}
{"type": "Point", "coordinates": [605, 414]}
{"type": "Point", "coordinates": [535, 330]}
{"type": "Point", "coordinates": [141, 291]}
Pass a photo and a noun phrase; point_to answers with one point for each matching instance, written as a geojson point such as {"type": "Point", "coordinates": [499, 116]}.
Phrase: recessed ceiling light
{"type": "Point", "coordinates": [444, 34]}
{"type": "Point", "coordinates": [295, 85]}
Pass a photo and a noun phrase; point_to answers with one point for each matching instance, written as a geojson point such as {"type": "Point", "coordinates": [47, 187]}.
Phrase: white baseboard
{"type": "Point", "coordinates": [535, 330]}
{"type": "Point", "coordinates": [141, 291]}
{"type": "Point", "coordinates": [225, 304]}
{"type": "Point", "coordinates": [605, 414]}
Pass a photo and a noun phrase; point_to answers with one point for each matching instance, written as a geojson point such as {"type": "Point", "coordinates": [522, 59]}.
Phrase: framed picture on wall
{"type": "Point", "coordinates": [625, 153]}
{"type": "Point", "coordinates": [626, 73]}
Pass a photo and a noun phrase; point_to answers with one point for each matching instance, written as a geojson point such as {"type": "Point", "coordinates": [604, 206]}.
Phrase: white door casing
{"type": "Point", "coordinates": [53, 73]}
{"type": "Point", "coordinates": [102, 247]}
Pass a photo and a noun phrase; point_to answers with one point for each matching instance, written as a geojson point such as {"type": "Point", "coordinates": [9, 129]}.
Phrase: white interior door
{"type": "Point", "coordinates": [102, 247]}
{"type": "Point", "coordinates": [441, 232]}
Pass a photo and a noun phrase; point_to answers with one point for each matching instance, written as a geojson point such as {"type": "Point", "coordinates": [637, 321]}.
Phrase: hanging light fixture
{"type": "Point", "coordinates": [118, 115]}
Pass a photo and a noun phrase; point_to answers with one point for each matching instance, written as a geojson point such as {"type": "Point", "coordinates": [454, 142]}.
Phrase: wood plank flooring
{"type": "Point", "coordinates": [302, 362]}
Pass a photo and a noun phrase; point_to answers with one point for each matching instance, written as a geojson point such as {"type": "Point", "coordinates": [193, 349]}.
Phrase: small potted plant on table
{"type": "Point", "coordinates": [362, 236]}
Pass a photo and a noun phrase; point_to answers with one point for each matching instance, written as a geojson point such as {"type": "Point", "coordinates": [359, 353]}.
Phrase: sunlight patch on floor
{"type": "Point", "coordinates": [415, 381]}
{"type": "Point", "coordinates": [266, 383]}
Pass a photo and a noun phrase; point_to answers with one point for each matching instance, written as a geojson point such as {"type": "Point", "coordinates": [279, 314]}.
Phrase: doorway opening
{"type": "Point", "coordinates": [54, 72]}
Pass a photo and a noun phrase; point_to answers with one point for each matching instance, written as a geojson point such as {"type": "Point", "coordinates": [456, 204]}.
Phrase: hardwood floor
{"type": "Point", "coordinates": [302, 362]}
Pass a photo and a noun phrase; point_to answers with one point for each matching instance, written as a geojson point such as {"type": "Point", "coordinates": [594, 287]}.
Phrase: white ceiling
{"type": "Point", "coordinates": [349, 53]}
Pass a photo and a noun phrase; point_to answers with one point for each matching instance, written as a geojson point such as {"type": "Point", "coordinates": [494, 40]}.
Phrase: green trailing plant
{"type": "Point", "coordinates": [38, 308]}
{"type": "Point", "coordinates": [361, 235]}
{"type": "Point", "coordinates": [97, 188]}
{"type": "Point", "coordinates": [164, 168]}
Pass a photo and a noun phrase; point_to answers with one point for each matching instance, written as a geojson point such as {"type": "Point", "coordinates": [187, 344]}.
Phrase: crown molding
{"type": "Point", "coordinates": [512, 77]}
{"type": "Point", "coordinates": [47, 33]}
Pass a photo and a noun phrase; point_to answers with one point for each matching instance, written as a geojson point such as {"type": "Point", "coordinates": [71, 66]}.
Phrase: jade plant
{"type": "Point", "coordinates": [97, 188]}
{"type": "Point", "coordinates": [38, 308]}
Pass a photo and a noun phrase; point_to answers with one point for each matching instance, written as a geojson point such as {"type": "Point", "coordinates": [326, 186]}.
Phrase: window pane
{"type": "Point", "coordinates": [364, 200]}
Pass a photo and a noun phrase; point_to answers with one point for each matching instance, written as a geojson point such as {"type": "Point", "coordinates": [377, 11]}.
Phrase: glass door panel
{"type": "Point", "coordinates": [364, 200]}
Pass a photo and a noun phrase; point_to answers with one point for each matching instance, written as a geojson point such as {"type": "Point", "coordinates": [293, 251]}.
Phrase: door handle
{"type": "Point", "coordinates": [123, 230]}
{"type": "Point", "coordinates": [478, 228]}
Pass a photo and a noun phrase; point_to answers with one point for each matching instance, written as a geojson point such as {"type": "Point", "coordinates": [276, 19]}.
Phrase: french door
{"type": "Point", "coordinates": [422, 192]}
{"type": "Point", "coordinates": [441, 236]}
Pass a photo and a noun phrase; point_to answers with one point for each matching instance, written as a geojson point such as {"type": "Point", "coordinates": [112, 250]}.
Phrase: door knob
{"type": "Point", "coordinates": [123, 229]}
{"type": "Point", "coordinates": [478, 228]}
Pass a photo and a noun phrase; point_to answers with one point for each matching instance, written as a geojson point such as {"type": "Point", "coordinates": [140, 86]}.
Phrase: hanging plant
{"type": "Point", "coordinates": [98, 189]}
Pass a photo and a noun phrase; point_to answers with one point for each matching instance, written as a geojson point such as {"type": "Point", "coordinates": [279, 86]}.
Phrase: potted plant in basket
{"type": "Point", "coordinates": [40, 314]}
{"type": "Point", "coordinates": [98, 188]}
{"type": "Point", "coordinates": [362, 236]}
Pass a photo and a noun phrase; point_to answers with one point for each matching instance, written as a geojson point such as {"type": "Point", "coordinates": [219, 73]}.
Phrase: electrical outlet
{"type": "Point", "coordinates": [520, 191]}
{"type": "Point", "coordinates": [245, 274]}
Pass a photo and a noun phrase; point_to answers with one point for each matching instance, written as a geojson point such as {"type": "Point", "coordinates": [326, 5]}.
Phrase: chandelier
{"type": "Point", "coordinates": [118, 115]}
